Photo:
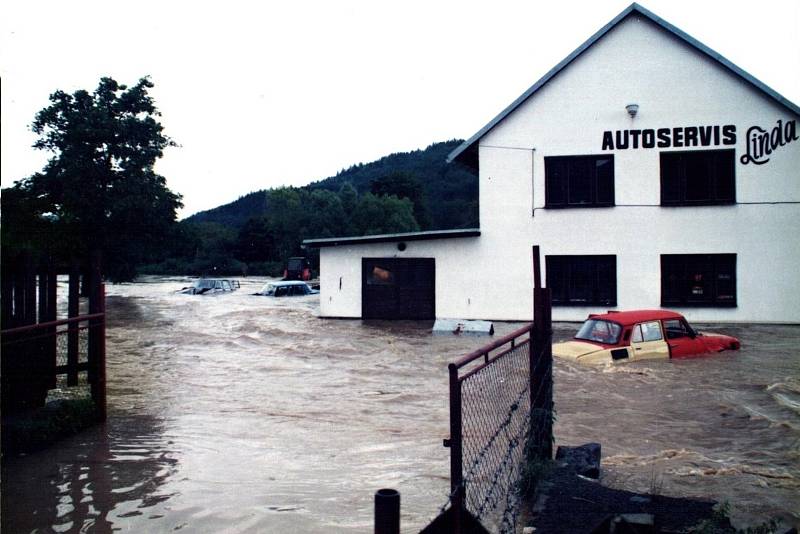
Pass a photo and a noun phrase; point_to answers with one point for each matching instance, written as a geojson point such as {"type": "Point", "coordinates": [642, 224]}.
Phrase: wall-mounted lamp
{"type": "Point", "coordinates": [632, 109]}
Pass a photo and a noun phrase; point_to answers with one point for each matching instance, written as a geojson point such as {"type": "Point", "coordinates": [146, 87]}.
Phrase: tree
{"type": "Point", "coordinates": [99, 188]}
{"type": "Point", "coordinates": [383, 215]}
{"type": "Point", "coordinates": [404, 185]}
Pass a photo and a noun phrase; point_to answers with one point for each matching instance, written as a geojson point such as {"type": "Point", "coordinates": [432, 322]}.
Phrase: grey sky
{"type": "Point", "coordinates": [265, 94]}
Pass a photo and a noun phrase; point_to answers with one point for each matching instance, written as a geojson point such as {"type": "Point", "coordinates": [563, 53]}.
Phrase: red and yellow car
{"type": "Point", "coordinates": [625, 336]}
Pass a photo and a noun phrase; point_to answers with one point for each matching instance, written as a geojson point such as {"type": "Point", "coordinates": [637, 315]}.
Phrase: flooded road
{"type": "Point", "coordinates": [239, 413]}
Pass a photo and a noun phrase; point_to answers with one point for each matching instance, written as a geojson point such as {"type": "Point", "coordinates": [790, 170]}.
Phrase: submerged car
{"type": "Point", "coordinates": [286, 289]}
{"type": "Point", "coordinates": [617, 337]}
{"type": "Point", "coordinates": [205, 286]}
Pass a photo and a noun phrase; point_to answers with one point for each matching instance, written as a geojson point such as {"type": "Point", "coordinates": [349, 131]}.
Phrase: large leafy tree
{"type": "Point", "coordinates": [404, 185]}
{"type": "Point", "coordinates": [99, 188]}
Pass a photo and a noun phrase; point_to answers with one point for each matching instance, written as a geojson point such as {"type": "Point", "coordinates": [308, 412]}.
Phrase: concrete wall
{"type": "Point", "coordinates": [675, 86]}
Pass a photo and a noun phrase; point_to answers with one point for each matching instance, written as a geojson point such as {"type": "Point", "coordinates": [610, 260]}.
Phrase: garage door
{"type": "Point", "coordinates": [398, 288]}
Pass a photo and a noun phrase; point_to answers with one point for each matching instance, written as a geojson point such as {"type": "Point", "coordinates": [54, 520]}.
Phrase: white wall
{"type": "Point", "coordinates": [675, 86]}
{"type": "Point", "coordinates": [457, 292]}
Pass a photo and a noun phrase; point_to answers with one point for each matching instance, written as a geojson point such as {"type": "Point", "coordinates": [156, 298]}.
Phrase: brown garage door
{"type": "Point", "coordinates": [398, 288]}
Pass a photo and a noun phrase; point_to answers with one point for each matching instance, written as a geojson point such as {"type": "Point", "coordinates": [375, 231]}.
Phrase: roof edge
{"type": "Point", "coordinates": [388, 238]}
{"type": "Point", "coordinates": [467, 152]}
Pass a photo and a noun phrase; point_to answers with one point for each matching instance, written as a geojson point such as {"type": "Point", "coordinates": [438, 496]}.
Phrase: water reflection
{"type": "Point", "coordinates": [91, 481]}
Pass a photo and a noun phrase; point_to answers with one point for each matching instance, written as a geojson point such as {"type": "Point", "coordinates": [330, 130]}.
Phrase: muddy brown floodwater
{"type": "Point", "coordinates": [239, 413]}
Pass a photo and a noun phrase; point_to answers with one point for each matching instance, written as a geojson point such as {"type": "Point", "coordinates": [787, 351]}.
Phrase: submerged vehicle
{"type": "Point", "coordinates": [205, 286]}
{"type": "Point", "coordinates": [286, 289]}
{"type": "Point", "coordinates": [625, 336]}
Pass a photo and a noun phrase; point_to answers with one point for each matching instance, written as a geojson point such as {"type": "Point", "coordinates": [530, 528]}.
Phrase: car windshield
{"type": "Point", "coordinates": [268, 289]}
{"type": "Point", "coordinates": [204, 284]}
{"type": "Point", "coordinates": [599, 331]}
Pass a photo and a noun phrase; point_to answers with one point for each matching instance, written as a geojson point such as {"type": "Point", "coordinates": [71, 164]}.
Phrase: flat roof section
{"type": "Point", "coordinates": [388, 238]}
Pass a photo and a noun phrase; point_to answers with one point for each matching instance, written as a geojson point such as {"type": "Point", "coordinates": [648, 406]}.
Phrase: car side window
{"type": "Point", "coordinates": [646, 332]}
{"type": "Point", "coordinates": [281, 291]}
{"type": "Point", "coordinates": [675, 328]}
{"type": "Point", "coordinates": [637, 334]}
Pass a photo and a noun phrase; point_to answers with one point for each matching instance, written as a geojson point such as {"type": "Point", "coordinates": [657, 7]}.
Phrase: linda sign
{"type": "Point", "coordinates": [759, 143]}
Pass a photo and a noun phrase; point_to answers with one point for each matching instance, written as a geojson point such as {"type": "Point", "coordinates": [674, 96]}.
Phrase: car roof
{"type": "Point", "coordinates": [626, 318]}
{"type": "Point", "coordinates": [287, 283]}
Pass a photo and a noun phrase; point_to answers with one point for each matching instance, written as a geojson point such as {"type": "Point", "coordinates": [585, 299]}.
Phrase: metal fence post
{"type": "Point", "coordinates": [456, 466]}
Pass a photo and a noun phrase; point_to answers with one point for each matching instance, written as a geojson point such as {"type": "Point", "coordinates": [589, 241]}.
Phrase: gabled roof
{"type": "Point", "coordinates": [467, 152]}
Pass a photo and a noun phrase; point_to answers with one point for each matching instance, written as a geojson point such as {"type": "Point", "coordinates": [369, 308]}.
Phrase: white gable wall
{"type": "Point", "coordinates": [675, 86]}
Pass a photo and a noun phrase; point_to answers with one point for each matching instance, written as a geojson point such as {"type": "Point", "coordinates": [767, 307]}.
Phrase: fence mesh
{"type": "Point", "coordinates": [495, 404]}
{"type": "Point", "coordinates": [501, 432]}
{"type": "Point", "coordinates": [81, 387]}
{"type": "Point", "coordinates": [42, 344]}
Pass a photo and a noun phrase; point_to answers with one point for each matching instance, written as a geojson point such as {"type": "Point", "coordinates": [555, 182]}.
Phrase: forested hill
{"type": "Point", "coordinates": [449, 199]}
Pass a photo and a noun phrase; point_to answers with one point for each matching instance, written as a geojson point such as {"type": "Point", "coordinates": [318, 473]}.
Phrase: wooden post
{"type": "Point", "coordinates": [73, 309]}
{"type": "Point", "coordinates": [97, 341]}
{"type": "Point", "coordinates": [541, 366]}
{"type": "Point", "coordinates": [29, 298]}
{"type": "Point", "coordinates": [100, 400]}
{"type": "Point", "coordinates": [47, 313]}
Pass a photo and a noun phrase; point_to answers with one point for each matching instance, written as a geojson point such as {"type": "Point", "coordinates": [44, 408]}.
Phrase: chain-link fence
{"type": "Point", "coordinates": [501, 416]}
{"type": "Point", "coordinates": [56, 360]}
{"type": "Point", "coordinates": [495, 404]}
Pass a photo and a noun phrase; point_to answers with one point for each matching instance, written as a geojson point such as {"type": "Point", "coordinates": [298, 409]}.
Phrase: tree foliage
{"type": "Point", "coordinates": [99, 189]}
{"type": "Point", "coordinates": [403, 184]}
{"type": "Point", "coordinates": [399, 193]}
{"type": "Point", "coordinates": [264, 243]}
{"type": "Point", "coordinates": [449, 190]}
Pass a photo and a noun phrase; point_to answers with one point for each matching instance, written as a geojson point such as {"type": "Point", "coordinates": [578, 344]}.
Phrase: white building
{"type": "Point", "coordinates": [651, 171]}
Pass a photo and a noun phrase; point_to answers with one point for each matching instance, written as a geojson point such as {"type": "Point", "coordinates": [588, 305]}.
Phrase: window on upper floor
{"type": "Point", "coordinates": [698, 178]}
{"type": "Point", "coordinates": [579, 181]}
{"type": "Point", "coordinates": [582, 280]}
{"type": "Point", "coordinates": [707, 280]}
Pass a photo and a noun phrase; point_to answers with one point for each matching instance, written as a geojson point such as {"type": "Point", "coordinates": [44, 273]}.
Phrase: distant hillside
{"type": "Point", "coordinates": [235, 213]}
{"type": "Point", "coordinates": [451, 190]}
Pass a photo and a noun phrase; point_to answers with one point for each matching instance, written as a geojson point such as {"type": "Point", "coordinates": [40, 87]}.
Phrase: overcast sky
{"type": "Point", "coordinates": [264, 94]}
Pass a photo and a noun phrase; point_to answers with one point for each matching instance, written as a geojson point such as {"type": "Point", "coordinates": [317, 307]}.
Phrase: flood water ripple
{"type": "Point", "coordinates": [240, 413]}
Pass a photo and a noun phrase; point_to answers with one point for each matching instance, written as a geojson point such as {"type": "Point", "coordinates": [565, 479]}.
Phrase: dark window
{"type": "Point", "coordinates": [700, 177]}
{"type": "Point", "coordinates": [579, 181]}
{"type": "Point", "coordinates": [582, 280]}
{"type": "Point", "coordinates": [281, 291]}
{"type": "Point", "coordinates": [698, 280]}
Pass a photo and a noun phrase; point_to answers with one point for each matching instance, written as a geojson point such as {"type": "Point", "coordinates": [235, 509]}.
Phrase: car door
{"type": "Point", "coordinates": [681, 340]}
{"type": "Point", "coordinates": [647, 341]}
